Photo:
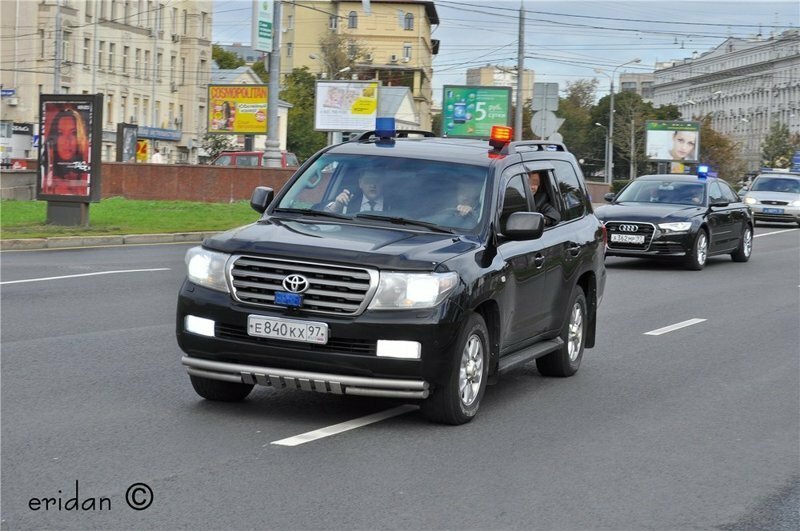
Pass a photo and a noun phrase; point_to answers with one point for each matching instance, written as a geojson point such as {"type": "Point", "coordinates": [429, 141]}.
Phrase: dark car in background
{"type": "Point", "coordinates": [775, 197]}
{"type": "Point", "coordinates": [682, 217]}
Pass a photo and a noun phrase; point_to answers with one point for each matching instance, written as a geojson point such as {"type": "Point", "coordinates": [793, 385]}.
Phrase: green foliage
{"type": "Point", "coordinates": [436, 124]}
{"type": "Point", "coordinates": [261, 71]}
{"type": "Point", "coordinates": [584, 139]}
{"type": "Point", "coordinates": [115, 215]}
{"type": "Point", "coordinates": [302, 139]}
{"type": "Point", "coordinates": [216, 144]}
{"type": "Point", "coordinates": [777, 149]}
{"type": "Point", "coordinates": [225, 60]}
{"type": "Point", "coordinates": [618, 184]}
{"type": "Point", "coordinates": [720, 152]}
{"type": "Point", "coordinates": [339, 51]}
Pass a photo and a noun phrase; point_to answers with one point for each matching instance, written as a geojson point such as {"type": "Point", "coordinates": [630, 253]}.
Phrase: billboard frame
{"type": "Point", "coordinates": [327, 125]}
{"type": "Point", "coordinates": [448, 116]}
{"type": "Point", "coordinates": [230, 98]}
{"type": "Point", "coordinates": [659, 139]}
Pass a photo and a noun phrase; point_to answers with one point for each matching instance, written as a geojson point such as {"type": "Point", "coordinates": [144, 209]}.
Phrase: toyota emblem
{"type": "Point", "coordinates": [628, 228]}
{"type": "Point", "coordinates": [295, 283]}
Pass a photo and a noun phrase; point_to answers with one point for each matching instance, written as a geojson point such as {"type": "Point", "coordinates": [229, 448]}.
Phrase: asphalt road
{"type": "Point", "coordinates": [696, 428]}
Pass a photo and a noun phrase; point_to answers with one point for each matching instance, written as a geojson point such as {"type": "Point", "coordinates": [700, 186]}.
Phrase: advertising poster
{"type": "Point", "coordinates": [142, 150]}
{"type": "Point", "coordinates": [262, 25]}
{"type": "Point", "coordinates": [69, 153]}
{"type": "Point", "coordinates": [126, 142]}
{"type": "Point", "coordinates": [237, 109]}
{"type": "Point", "coordinates": [346, 105]}
{"type": "Point", "coordinates": [470, 112]}
{"type": "Point", "coordinates": [674, 141]}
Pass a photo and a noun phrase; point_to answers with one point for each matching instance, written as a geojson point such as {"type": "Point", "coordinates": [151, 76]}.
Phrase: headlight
{"type": "Point", "coordinates": [412, 290]}
{"type": "Point", "coordinates": [750, 201]}
{"type": "Point", "coordinates": [681, 226]}
{"type": "Point", "coordinates": [207, 268]}
{"type": "Point", "coordinates": [795, 203]}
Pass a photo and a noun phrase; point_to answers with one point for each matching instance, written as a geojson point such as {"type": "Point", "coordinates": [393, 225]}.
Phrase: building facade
{"type": "Point", "coordinates": [502, 76]}
{"type": "Point", "coordinates": [641, 84]}
{"type": "Point", "coordinates": [151, 60]}
{"type": "Point", "coordinates": [394, 36]}
{"type": "Point", "coordinates": [746, 86]}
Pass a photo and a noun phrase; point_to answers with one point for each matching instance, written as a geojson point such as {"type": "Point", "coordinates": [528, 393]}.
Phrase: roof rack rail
{"type": "Point", "coordinates": [535, 145]}
{"type": "Point", "coordinates": [401, 133]}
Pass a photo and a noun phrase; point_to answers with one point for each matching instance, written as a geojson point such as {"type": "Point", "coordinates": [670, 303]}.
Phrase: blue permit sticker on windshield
{"type": "Point", "coordinates": [292, 300]}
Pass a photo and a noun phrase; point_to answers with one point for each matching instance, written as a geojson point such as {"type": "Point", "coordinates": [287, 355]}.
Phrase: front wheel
{"type": "Point", "coordinates": [220, 391]}
{"type": "Point", "coordinates": [742, 253]}
{"type": "Point", "coordinates": [566, 361]}
{"type": "Point", "coordinates": [696, 259]}
{"type": "Point", "coordinates": [458, 400]}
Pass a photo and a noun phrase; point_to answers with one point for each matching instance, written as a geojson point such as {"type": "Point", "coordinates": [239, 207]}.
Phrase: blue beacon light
{"type": "Point", "coordinates": [702, 171]}
{"type": "Point", "coordinates": [385, 128]}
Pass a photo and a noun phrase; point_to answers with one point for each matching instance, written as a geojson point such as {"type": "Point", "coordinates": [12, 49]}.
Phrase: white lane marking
{"type": "Point", "coordinates": [671, 328]}
{"type": "Point", "coordinates": [775, 232]}
{"type": "Point", "coordinates": [344, 426]}
{"type": "Point", "coordinates": [84, 275]}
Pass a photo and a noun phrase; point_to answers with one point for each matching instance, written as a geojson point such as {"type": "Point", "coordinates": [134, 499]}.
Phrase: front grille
{"type": "Point", "coordinates": [776, 203]}
{"type": "Point", "coordinates": [333, 290]}
{"type": "Point", "coordinates": [643, 229]}
{"type": "Point", "coordinates": [363, 347]}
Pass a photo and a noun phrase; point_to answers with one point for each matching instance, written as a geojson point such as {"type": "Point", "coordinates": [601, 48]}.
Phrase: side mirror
{"type": "Point", "coordinates": [261, 198]}
{"type": "Point", "coordinates": [719, 203]}
{"type": "Point", "coordinates": [524, 226]}
{"type": "Point", "coordinates": [610, 197]}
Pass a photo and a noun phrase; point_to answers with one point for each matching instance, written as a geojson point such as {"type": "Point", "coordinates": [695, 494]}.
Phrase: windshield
{"type": "Point", "coordinates": [665, 191]}
{"type": "Point", "coordinates": [439, 193]}
{"type": "Point", "coordinates": [776, 184]}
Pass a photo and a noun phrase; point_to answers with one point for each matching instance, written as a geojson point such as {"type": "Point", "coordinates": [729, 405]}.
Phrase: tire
{"type": "Point", "coordinates": [696, 260]}
{"type": "Point", "coordinates": [565, 361]}
{"type": "Point", "coordinates": [220, 391]}
{"type": "Point", "coordinates": [458, 400]}
{"type": "Point", "coordinates": [745, 249]}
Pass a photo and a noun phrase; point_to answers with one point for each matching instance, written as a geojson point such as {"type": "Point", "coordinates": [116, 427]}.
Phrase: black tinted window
{"type": "Point", "coordinates": [728, 193]}
{"type": "Point", "coordinates": [570, 189]}
{"type": "Point", "coordinates": [714, 193]}
{"type": "Point", "coordinates": [513, 199]}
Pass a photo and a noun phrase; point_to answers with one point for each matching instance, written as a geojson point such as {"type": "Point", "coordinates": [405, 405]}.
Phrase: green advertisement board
{"type": "Point", "coordinates": [470, 112]}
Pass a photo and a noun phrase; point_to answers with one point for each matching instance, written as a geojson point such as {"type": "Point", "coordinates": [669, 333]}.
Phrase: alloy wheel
{"type": "Point", "coordinates": [470, 373]}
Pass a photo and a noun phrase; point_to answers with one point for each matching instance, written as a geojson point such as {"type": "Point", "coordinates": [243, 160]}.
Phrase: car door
{"type": "Point", "coordinates": [720, 220]}
{"type": "Point", "coordinates": [523, 268]}
{"type": "Point", "coordinates": [739, 213]}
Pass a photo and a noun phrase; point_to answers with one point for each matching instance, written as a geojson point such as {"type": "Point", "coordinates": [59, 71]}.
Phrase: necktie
{"type": "Point", "coordinates": [371, 204]}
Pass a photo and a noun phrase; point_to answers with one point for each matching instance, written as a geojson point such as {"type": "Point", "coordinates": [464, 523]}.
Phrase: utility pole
{"type": "Point", "coordinates": [57, 69]}
{"type": "Point", "coordinates": [273, 145]}
{"type": "Point", "coordinates": [520, 73]}
{"type": "Point", "coordinates": [632, 174]}
{"type": "Point", "coordinates": [154, 29]}
{"type": "Point", "coordinates": [94, 51]}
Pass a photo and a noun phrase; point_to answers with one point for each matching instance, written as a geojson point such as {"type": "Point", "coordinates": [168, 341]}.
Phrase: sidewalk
{"type": "Point", "coordinates": [66, 242]}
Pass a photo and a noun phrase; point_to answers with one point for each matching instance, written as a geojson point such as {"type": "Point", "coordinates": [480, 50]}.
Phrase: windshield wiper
{"type": "Point", "coordinates": [404, 221]}
{"type": "Point", "coordinates": [308, 212]}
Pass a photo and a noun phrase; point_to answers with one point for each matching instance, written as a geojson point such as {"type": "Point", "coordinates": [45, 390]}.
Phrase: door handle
{"type": "Point", "coordinates": [538, 261]}
{"type": "Point", "coordinates": [574, 249]}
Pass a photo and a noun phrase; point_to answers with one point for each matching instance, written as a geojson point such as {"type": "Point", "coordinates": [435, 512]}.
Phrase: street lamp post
{"type": "Point", "coordinates": [610, 154]}
{"type": "Point", "coordinates": [605, 161]}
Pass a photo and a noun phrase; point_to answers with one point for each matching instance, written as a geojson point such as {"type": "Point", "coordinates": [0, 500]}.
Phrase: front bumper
{"type": "Point", "coordinates": [789, 214]}
{"type": "Point", "coordinates": [662, 245]}
{"type": "Point", "coordinates": [347, 363]}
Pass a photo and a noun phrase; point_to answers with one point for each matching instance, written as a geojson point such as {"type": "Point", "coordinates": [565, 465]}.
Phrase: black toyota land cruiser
{"type": "Point", "coordinates": [414, 268]}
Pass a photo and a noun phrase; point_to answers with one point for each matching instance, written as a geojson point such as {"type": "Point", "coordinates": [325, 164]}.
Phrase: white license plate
{"type": "Point", "coordinates": [287, 329]}
{"type": "Point", "coordinates": [773, 211]}
{"type": "Point", "coordinates": [627, 238]}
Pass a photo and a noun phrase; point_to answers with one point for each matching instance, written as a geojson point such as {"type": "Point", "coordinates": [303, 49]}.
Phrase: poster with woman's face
{"type": "Point", "coordinates": [66, 150]}
{"type": "Point", "coordinates": [673, 141]}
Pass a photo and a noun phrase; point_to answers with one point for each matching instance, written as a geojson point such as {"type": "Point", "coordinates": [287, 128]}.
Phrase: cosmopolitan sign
{"type": "Point", "coordinates": [237, 109]}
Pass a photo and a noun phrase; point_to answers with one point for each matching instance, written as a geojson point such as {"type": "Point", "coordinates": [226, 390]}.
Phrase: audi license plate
{"type": "Point", "coordinates": [287, 329]}
{"type": "Point", "coordinates": [773, 211]}
{"type": "Point", "coordinates": [627, 238]}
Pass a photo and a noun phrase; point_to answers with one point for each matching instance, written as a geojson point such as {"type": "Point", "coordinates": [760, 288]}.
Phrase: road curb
{"type": "Point", "coordinates": [65, 242]}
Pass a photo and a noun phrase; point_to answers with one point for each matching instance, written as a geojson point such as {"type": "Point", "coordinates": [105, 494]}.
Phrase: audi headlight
{"type": "Point", "coordinates": [207, 268]}
{"type": "Point", "coordinates": [750, 201]}
{"type": "Point", "coordinates": [795, 203]}
{"type": "Point", "coordinates": [412, 290]}
{"type": "Point", "coordinates": [680, 226]}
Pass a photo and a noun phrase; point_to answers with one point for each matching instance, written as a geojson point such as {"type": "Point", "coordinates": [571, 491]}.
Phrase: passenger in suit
{"type": "Point", "coordinates": [368, 198]}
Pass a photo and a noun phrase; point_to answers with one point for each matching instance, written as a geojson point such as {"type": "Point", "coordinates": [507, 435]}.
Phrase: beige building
{"type": "Point", "coordinates": [641, 84]}
{"type": "Point", "coordinates": [502, 76]}
{"type": "Point", "coordinates": [151, 60]}
{"type": "Point", "coordinates": [395, 37]}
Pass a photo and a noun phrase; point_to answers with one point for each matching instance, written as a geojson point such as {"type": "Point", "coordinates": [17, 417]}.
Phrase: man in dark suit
{"type": "Point", "coordinates": [368, 198]}
{"type": "Point", "coordinates": [541, 203]}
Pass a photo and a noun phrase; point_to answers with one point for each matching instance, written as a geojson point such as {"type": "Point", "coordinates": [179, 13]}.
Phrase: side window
{"type": "Point", "coordinates": [514, 199]}
{"type": "Point", "coordinates": [571, 191]}
{"type": "Point", "coordinates": [224, 160]}
{"type": "Point", "coordinates": [729, 193]}
{"type": "Point", "coordinates": [714, 193]}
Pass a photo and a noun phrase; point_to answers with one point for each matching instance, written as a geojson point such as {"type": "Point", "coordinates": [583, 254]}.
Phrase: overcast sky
{"type": "Point", "coordinates": [565, 40]}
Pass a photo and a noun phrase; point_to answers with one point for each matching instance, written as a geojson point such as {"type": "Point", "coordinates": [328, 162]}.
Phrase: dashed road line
{"type": "Point", "coordinates": [84, 275]}
{"type": "Point", "coordinates": [672, 328]}
{"type": "Point", "coordinates": [774, 232]}
{"type": "Point", "coordinates": [344, 426]}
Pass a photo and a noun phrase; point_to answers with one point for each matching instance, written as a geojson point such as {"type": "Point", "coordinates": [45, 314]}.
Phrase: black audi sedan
{"type": "Point", "coordinates": [682, 217]}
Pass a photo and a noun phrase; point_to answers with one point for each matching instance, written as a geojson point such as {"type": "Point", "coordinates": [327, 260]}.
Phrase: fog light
{"type": "Point", "coordinates": [198, 325]}
{"type": "Point", "coordinates": [407, 350]}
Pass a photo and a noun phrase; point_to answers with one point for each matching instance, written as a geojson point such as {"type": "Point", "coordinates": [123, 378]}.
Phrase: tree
{"type": "Point", "coordinates": [261, 71]}
{"type": "Point", "coordinates": [225, 60]}
{"type": "Point", "coordinates": [298, 90]}
{"type": "Point", "coordinates": [584, 139]}
{"type": "Point", "coordinates": [777, 149]}
{"type": "Point", "coordinates": [339, 52]}
{"type": "Point", "coordinates": [215, 144]}
{"type": "Point", "coordinates": [720, 152]}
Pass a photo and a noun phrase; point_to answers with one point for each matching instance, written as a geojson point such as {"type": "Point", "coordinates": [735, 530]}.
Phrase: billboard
{"type": "Point", "coordinates": [470, 112]}
{"type": "Point", "coordinates": [237, 109]}
{"type": "Point", "coordinates": [126, 142]}
{"type": "Point", "coordinates": [345, 105]}
{"type": "Point", "coordinates": [69, 153]}
{"type": "Point", "coordinates": [674, 141]}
